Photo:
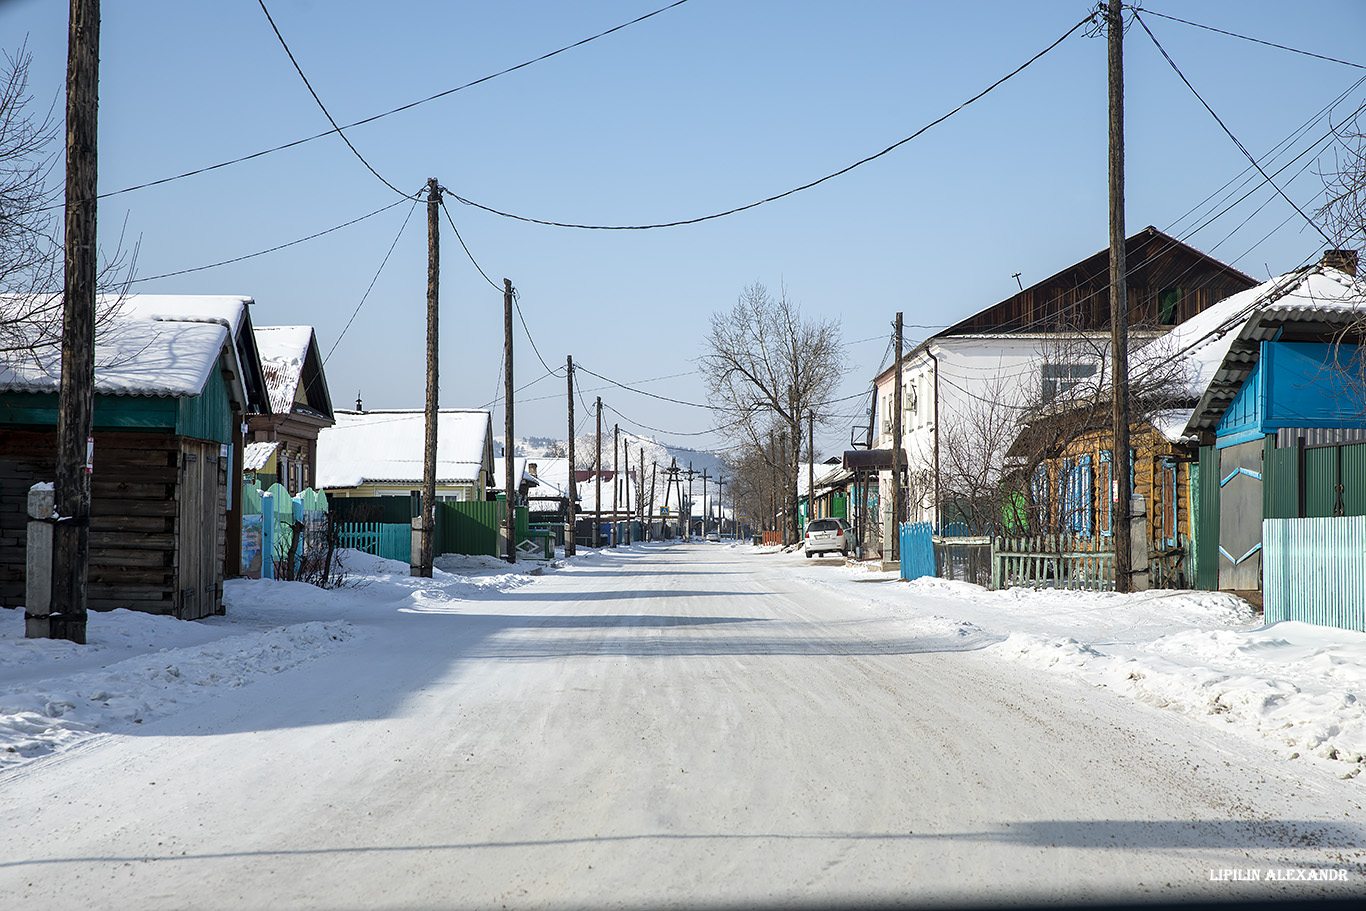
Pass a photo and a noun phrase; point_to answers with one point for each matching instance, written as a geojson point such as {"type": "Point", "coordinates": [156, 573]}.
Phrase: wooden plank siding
{"type": "Point", "coordinates": [1078, 297]}
{"type": "Point", "coordinates": [140, 514]}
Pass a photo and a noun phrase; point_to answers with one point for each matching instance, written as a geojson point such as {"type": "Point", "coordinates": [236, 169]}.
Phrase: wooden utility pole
{"type": "Point", "coordinates": [422, 566]}
{"type": "Point", "coordinates": [810, 468]}
{"type": "Point", "coordinates": [654, 476]}
{"type": "Point", "coordinates": [66, 618]}
{"type": "Point", "coordinates": [509, 447]}
{"type": "Point", "coordinates": [616, 475]}
{"type": "Point", "coordinates": [898, 496]}
{"type": "Point", "coordinates": [720, 506]}
{"type": "Point", "coordinates": [706, 506]}
{"type": "Point", "coordinates": [597, 498]}
{"type": "Point", "coordinates": [640, 497]}
{"type": "Point", "coordinates": [1119, 298]}
{"type": "Point", "coordinates": [570, 545]}
{"type": "Point", "coordinates": [688, 521]}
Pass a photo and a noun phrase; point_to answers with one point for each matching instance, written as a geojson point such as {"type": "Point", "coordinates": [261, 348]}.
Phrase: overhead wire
{"type": "Point", "coordinates": [1242, 148]}
{"type": "Point", "coordinates": [794, 190]}
{"type": "Point", "coordinates": [322, 107]}
{"type": "Point", "coordinates": [292, 243]}
{"type": "Point", "coordinates": [497, 287]}
{"type": "Point", "coordinates": [371, 287]}
{"type": "Point", "coordinates": [374, 117]}
{"type": "Point", "coordinates": [1210, 28]}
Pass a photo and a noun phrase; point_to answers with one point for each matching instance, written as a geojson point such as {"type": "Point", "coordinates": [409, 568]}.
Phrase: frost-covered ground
{"type": "Point", "coordinates": [1205, 654]}
{"type": "Point", "coordinates": [136, 666]}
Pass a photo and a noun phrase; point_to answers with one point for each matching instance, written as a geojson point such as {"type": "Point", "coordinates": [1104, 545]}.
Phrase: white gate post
{"type": "Point", "coordinates": [38, 581]}
{"type": "Point", "coordinates": [1138, 544]}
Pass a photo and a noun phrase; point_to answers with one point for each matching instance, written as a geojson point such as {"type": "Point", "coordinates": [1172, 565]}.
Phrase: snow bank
{"type": "Point", "coordinates": [1298, 687]}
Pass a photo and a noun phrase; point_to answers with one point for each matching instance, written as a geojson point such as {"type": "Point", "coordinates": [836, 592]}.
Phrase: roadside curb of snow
{"type": "Point", "coordinates": [47, 715]}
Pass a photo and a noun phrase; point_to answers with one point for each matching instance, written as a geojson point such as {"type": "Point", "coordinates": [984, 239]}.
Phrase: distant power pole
{"type": "Point", "coordinates": [570, 547]}
{"type": "Point", "coordinates": [810, 467]}
{"type": "Point", "coordinates": [640, 498]}
{"type": "Point", "coordinates": [509, 446]}
{"type": "Point", "coordinates": [66, 618]}
{"type": "Point", "coordinates": [597, 499]}
{"type": "Point", "coordinates": [706, 507]}
{"type": "Point", "coordinates": [427, 521]}
{"type": "Point", "coordinates": [898, 506]}
{"type": "Point", "coordinates": [1119, 298]}
{"type": "Point", "coordinates": [616, 475]}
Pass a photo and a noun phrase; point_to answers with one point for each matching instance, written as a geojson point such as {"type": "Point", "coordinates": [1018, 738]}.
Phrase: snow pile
{"type": "Point", "coordinates": [138, 667]}
{"type": "Point", "coordinates": [1301, 688]}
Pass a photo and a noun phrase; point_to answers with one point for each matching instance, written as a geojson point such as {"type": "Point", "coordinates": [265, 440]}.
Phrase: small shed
{"type": "Point", "coordinates": [171, 388]}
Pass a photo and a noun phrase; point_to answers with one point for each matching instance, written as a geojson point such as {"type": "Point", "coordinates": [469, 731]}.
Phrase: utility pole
{"type": "Point", "coordinates": [66, 617]}
{"type": "Point", "coordinates": [810, 467]}
{"type": "Point", "coordinates": [616, 475]}
{"type": "Point", "coordinates": [640, 499]}
{"type": "Point", "coordinates": [654, 476]}
{"type": "Point", "coordinates": [427, 520]}
{"type": "Point", "coordinates": [570, 545]}
{"type": "Point", "coordinates": [597, 473]}
{"type": "Point", "coordinates": [688, 520]}
{"type": "Point", "coordinates": [898, 506]}
{"type": "Point", "coordinates": [509, 447]}
{"type": "Point", "coordinates": [706, 506]}
{"type": "Point", "coordinates": [1119, 297]}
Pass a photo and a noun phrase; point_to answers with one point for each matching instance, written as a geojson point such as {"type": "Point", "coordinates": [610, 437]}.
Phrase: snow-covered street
{"type": "Point", "coordinates": [677, 724]}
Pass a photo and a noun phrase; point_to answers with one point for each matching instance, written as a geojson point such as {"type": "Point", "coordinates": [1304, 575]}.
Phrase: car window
{"type": "Point", "coordinates": [823, 525]}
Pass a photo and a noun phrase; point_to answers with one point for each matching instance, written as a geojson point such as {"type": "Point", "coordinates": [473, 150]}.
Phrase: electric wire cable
{"type": "Point", "coordinates": [371, 287]}
{"type": "Point", "coordinates": [292, 243]}
{"type": "Point", "coordinates": [1242, 148]}
{"type": "Point", "coordinates": [497, 287]}
{"type": "Point", "coordinates": [1210, 28]}
{"type": "Point", "coordinates": [374, 117]}
{"type": "Point", "coordinates": [663, 398]}
{"type": "Point", "coordinates": [322, 107]}
{"type": "Point", "coordinates": [807, 186]}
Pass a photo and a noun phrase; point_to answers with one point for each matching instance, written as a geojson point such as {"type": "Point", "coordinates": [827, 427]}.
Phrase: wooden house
{"type": "Point", "coordinates": [1024, 352]}
{"type": "Point", "coordinates": [380, 454]}
{"type": "Point", "coordinates": [283, 444]}
{"type": "Point", "coordinates": [174, 378]}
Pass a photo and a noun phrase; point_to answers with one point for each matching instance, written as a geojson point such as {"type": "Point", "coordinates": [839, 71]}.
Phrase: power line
{"type": "Point", "coordinates": [672, 433]}
{"type": "Point", "coordinates": [1242, 148]}
{"type": "Point", "coordinates": [322, 107]}
{"type": "Point", "coordinates": [463, 246]}
{"type": "Point", "coordinates": [1210, 28]}
{"type": "Point", "coordinates": [663, 398]}
{"type": "Point", "coordinates": [292, 243]}
{"type": "Point", "coordinates": [373, 118]}
{"type": "Point", "coordinates": [794, 190]}
{"type": "Point", "coordinates": [366, 295]}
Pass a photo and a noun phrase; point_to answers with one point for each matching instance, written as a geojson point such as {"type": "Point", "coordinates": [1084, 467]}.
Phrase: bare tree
{"type": "Point", "coordinates": [1343, 213]}
{"type": "Point", "coordinates": [766, 366]}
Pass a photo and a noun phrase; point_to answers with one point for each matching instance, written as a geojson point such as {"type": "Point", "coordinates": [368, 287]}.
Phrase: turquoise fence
{"type": "Point", "coordinates": [382, 539]}
{"type": "Point", "coordinates": [1314, 570]}
{"type": "Point", "coordinates": [917, 550]}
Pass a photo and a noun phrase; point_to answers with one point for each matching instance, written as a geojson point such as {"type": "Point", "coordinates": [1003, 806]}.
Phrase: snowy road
{"type": "Point", "coordinates": [672, 725]}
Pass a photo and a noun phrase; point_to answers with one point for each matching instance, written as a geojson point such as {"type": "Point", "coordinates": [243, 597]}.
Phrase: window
{"type": "Point", "coordinates": [1168, 306]}
{"type": "Point", "coordinates": [1056, 379]}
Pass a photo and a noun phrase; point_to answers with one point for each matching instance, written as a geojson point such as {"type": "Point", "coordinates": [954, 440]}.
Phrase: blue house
{"type": "Point", "coordinates": [1283, 392]}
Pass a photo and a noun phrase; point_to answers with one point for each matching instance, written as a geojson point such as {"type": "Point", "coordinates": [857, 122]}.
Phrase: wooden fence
{"type": "Point", "coordinates": [1053, 561]}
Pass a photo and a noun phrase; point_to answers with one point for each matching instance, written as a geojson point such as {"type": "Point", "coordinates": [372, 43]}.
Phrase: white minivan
{"type": "Point", "coordinates": [826, 536]}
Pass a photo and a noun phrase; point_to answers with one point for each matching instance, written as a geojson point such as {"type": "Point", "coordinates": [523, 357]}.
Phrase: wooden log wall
{"type": "Point", "coordinates": [137, 511]}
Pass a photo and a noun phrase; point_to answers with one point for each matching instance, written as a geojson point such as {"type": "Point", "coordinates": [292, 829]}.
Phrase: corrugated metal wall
{"type": "Point", "coordinates": [1314, 570]}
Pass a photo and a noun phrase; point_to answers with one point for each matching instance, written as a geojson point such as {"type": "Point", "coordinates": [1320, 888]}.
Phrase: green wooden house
{"type": "Point", "coordinates": [175, 377]}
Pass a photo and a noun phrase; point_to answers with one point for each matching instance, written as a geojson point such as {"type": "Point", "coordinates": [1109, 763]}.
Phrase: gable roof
{"type": "Point", "coordinates": [289, 356]}
{"type": "Point", "coordinates": [387, 446]}
{"type": "Point", "coordinates": [157, 352]}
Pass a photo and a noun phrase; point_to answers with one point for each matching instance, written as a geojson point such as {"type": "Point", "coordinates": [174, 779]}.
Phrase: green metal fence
{"type": "Point", "coordinates": [391, 541]}
{"type": "Point", "coordinates": [1314, 570]}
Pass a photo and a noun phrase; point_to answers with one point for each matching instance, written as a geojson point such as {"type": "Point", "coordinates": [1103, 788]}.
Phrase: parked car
{"type": "Point", "coordinates": [826, 535]}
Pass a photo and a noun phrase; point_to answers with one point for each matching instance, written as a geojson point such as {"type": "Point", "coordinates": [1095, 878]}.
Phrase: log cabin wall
{"type": "Point", "coordinates": [154, 546]}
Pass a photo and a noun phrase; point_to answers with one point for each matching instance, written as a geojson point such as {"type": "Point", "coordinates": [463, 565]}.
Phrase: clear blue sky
{"type": "Point", "coordinates": [708, 106]}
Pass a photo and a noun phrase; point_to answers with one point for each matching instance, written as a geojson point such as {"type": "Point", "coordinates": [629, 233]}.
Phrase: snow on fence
{"type": "Point", "coordinates": [1054, 561]}
{"type": "Point", "coordinates": [1314, 570]}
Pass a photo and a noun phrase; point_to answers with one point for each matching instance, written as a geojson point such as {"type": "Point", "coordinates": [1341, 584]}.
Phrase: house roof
{"type": "Point", "coordinates": [540, 487]}
{"type": "Point", "coordinates": [1223, 343]}
{"type": "Point", "coordinates": [387, 446]}
{"type": "Point", "coordinates": [256, 455]}
{"type": "Point", "coordinates": [289, 356]}
{"type": "Point", "coordinates": [139, 349]}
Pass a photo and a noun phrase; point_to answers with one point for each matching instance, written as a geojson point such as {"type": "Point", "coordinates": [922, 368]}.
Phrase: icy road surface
{"type": "Point", "coordinates": [663, 726]}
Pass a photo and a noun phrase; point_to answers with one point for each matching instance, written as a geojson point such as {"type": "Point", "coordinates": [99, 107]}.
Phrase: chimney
{"type": "Point", "coordinates": [1342, 260]}
{"type": "Point", "coordinates": [531, 469]}
{"type": "Point", "coordinates": [358, 404]}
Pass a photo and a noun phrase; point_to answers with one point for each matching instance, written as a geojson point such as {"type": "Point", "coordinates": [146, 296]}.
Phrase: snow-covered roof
{"type": "Point", "coordinates": [521, 469]}
{"type": "Point", "coordinates": [256, 455]}
{"type": "Point", "coordinates": [135, 354]}
{"type": "Point", "coordinates": [379, 446]}
{"type": "Point", "coordinates": [283, 350]}
{"type": "Point", "coordinates": [1210, 342]}
{"type": "Point", "coordinates": [224, 309]}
